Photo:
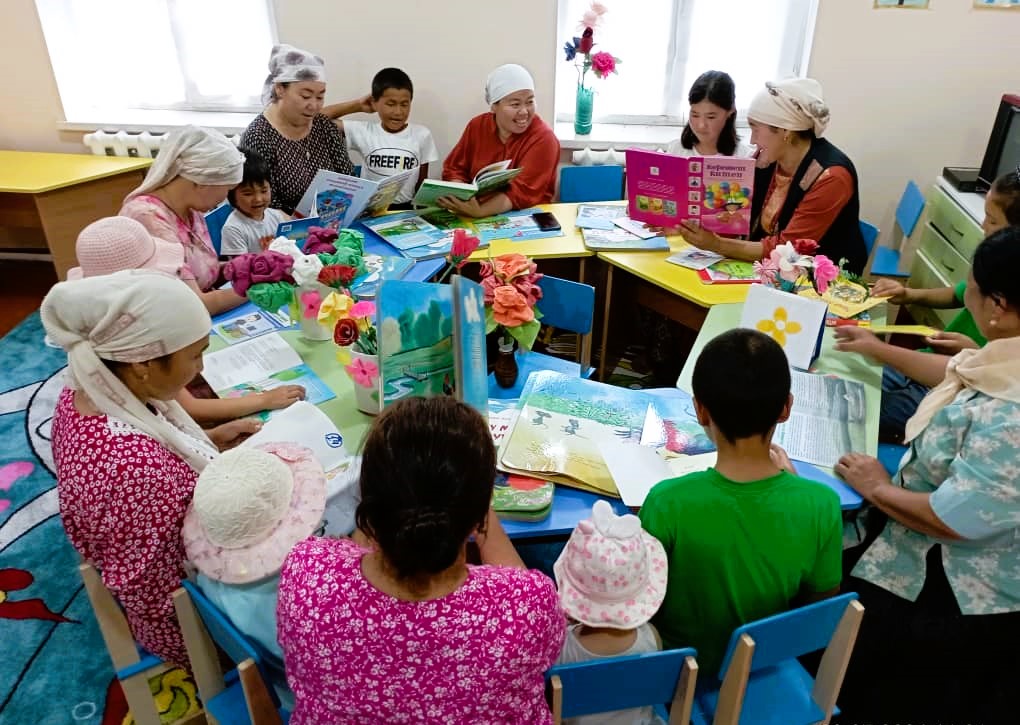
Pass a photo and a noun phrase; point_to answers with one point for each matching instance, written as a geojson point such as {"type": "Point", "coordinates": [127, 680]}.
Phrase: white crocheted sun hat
{"type": "Point", "coordinates": [116, 243]}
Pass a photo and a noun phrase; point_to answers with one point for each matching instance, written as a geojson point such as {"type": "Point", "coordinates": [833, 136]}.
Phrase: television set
{"type": "Point", "coordinates": [1003, 152]}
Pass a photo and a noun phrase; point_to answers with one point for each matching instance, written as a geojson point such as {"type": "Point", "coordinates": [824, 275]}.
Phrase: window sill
{"type": "Point", "coordinates": [138, 120]}
{"type": "Point", "coordinates": [616, 135]}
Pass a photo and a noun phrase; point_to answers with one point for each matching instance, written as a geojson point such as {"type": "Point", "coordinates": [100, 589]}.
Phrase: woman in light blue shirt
{"type": "Point", "coordinates": [941, 581]}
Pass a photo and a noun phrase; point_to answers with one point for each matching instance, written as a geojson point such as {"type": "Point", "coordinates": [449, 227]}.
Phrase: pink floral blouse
{"type": "Point", "coordinates": [201, 264]}
{"type": "Point", "coordinates": [123, 497]}
{"type": "Point", "coordinates": [356, 655]}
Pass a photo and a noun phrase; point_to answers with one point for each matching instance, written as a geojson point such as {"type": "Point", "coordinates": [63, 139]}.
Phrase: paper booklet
{"type": "Point", "coordinates": [488, 179]}
{"type": "Point", "coordinates": [409, 230]}
{"type": "Point", "coordinates": [598, 216]}
{"type": "Point", "coordinates": [620, 240]}
{"type": "Point", "coordinates": [260, 364]}
{"type": "Point", "coordinates": [516, 498]}
{"type": "Point", "coordinates": [714, 191]}
{"type": "Point", "coordinates": [297, 229]}
{"type": "Point", "coordinates": [379, 268]}
{"type": "Point", "coordinates": [339, 199]}
{"type": "Point", "coordinates": [827, 420]}
{"type": "Point", "coordinates": [728, 271]}
{"type": "Point", "coordinates": [694, 258]}
{"type": "Point", "coordinates": [517, 226]}
{"type": "Point", "coordinates": [432, 341]}
{"type": "Point", "coordinates": [247, 322]}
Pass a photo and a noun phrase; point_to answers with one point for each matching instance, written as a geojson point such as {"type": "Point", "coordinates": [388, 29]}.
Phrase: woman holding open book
{"type": "Point", "coordinates": [510, 131]}
{"type": "Point", "coordinates": [940, 572]}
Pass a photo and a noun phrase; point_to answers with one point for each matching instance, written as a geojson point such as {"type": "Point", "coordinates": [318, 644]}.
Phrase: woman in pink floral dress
{"type": "Point", "coordinates": [406, 631]}
{"type": "Point", "coordinates": [127, 454]}
{"type": "Point", "coordinates": [192, 174]}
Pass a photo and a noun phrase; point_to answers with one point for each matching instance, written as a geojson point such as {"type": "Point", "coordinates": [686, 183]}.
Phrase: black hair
{"type": "Point", "coordinates": [718, 88]}
{"type": "Point", "coordinates": [427, 472]}
{"type": "Point", "coordinates": [256, 171]}
{"type": "Point", "coordinates": [1008, 187]}
{"type": "Point", "coordinates": [391, 78]}
{"type": "Point", "coordinates": [996, 261]}
{"type": "Point", "coordinates": [742, 378]}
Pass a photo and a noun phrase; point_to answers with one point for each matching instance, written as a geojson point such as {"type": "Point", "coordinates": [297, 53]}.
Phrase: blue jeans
{"type": "Point", "coordinates": [900, 397]}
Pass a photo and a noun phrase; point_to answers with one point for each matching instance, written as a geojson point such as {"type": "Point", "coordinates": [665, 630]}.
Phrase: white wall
{"type": "Point", "coordinates": [911, 91]}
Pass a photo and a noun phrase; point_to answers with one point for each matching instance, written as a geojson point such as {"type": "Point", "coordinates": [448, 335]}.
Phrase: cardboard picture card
{"type": "Point", "coordinates": [796, 323]}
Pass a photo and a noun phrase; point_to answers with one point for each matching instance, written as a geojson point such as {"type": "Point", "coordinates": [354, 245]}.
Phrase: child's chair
{"type": "Point", "coordinates": [132, 664]}
{"type": "Point", "coordinates": [621, 683]}
{"type": "Point", "coordinates": [240, 696]}
{"type": "Point", "coordinates": [870, 233]}
{"type": "Point", "coordinates": [591, 183]}
{"type": "Point", "coordinates": [779, 690]}
{"type": "Point", "coordinates": [215, 221]}
{"type": "Point", "coordinates": [565, 305]}
{"type": "Point", "coordinates": [887, 260]}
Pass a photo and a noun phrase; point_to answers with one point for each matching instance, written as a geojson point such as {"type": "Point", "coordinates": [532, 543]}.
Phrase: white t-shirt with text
{"type": "Point", "coordinates": [386, 154]}
{"type": "Point", "coordinates": [242, 234]}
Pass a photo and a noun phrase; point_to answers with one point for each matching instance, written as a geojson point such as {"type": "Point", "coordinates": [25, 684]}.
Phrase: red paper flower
{"type": "Point", "coordinates": [805, 246]}
{"type": "Point", "coordinates": [462, 247]}
{"type": "Point", "coordinates": [603, 64]}
{"type": "Point", "coordinates": [587, 41]}
{"type": "Point", "coordinates": [337, 276]}
{"type": "Point", "coordinates": [346, 332]}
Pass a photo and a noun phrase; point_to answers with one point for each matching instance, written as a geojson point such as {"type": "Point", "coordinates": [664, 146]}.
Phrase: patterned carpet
{"type": "Point", "coordinates": [54, 668]}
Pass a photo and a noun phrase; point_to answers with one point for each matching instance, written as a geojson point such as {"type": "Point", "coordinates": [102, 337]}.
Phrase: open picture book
{"type": "Point", "coordinates": [488, 179]}
{"type": "Point", "coordinates": [339, 199]}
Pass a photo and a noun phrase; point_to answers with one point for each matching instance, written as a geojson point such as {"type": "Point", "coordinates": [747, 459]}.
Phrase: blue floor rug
{"type": "Point", "coordinates": [54, 668]}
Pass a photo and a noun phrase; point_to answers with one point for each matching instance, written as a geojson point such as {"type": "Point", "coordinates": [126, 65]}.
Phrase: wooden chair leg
{"type": "Point", "coordinates": [836, 659]}
{"type": "Point", "coordinates": [731, 694]}
{"type": "Point", "coordinates": [261, 709]}
{"type": "Point", "coordinates": [205, 662]}
{"type": "Point", "coordinates": [683, 700]}
{"type": "Point", "coordinates": [557, 699]}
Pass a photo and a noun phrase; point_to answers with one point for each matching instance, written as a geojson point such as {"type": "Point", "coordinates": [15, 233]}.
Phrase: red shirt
{"type": "Point", "coordinates": [536, 151]}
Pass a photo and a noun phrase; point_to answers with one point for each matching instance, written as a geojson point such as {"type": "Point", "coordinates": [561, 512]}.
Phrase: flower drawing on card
{"type": "Point", "coordinates": [779, 326]}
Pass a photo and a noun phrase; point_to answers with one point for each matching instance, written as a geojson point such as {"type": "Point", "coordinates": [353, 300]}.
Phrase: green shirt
{"type": "Point", "coordinates": [738, 552]}
{"type": "Point", "coordinates": [964, 321]}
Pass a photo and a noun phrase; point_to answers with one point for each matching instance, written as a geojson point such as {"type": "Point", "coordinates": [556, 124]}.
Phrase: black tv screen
{"type": "Point", "coordinates": [1003, 152]}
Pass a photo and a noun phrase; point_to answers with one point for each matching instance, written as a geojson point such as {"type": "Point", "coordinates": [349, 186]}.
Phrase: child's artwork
{"type": "Point", "coordinates": [795, 322]}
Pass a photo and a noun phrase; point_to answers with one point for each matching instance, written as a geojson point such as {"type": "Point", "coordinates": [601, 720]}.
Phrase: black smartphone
{"type": "Point", "coordinates": [546, 221]}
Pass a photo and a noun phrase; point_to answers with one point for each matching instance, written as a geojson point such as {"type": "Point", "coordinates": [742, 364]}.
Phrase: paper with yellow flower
{"type": "Point", "coordinates": [793, 321]}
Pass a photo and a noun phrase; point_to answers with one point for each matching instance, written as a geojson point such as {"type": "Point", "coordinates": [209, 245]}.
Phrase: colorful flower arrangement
{"type": "Point", "coordinates": [510, 289]}
{"type": "Point", "coordinates": [794, 265]}
{"type": "Point", "coordinates": [602, 64]}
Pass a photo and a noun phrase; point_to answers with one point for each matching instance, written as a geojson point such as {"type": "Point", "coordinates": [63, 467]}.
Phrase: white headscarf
{"type": "Point", "coordinates": [795, 105]}
{"type": "Point", "coordinates": [201, 155]}
{"type": "Point", "coordinates": [130, 316]}
{"type": "Point", "coordinates": [288, 64]}
{"type": "Point", "coordinates": [505, 80]}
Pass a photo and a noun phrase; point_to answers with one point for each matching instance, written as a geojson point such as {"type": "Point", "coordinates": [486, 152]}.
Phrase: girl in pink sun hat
{"type": "Point", "coordinates": [612, 578]}
{"type": "Point", "coordinates": [118, 242]}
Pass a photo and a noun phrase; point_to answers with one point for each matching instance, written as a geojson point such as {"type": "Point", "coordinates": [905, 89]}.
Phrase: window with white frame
{"type": "Point", "coordinates": [666, 44]}
{"type": "Point", "coordinates": [115, 55]}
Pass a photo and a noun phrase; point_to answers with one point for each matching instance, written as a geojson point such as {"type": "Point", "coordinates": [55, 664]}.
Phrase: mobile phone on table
{"type": "Point", "coordinates": [546, 221]}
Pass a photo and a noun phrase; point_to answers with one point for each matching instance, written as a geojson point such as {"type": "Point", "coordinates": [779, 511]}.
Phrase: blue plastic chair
{"type": "Point", "coordinates": [215, 221]}
{"type": "Point", "coordinates": [591, 183]}
{"type": "Point", "coordinates": [779, 690]}
{"type": "Point", "coordinates": [230, 698]}
{"type": "Point", "coordinates": [870, 233]}
{"type": "Point", "coordinates": [890, 455]}
{"type": "Point", "coordinates": [908, 212]}
{"type": "Point", "coordinates": [565, 305]}
{"type": "Point", "coordinates": [621, 683]}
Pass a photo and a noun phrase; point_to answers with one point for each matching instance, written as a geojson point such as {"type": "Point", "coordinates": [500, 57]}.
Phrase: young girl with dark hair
{"type": "Point", "coordinates": [407, 630]}
{"type": "Point", "coordinates": [711, 129]}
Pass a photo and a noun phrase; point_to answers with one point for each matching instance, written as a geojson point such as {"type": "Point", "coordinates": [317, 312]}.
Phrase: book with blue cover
{"type": "Point", "coordinates": [598, 216]}
{"type": "Point", "coordinates": [379, 268]}
{"type": "Point", "coordinates": [297, 229]}
{"type": "Point", "coordinates": [517, 226]}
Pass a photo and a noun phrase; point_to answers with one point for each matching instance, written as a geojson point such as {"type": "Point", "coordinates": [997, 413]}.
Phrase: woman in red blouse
{"type": "Point", "coordinates": [127, 454]}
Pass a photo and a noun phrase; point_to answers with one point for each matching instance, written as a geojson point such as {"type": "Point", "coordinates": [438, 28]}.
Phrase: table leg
{"type": "Point", "coordinates": [604, 343]}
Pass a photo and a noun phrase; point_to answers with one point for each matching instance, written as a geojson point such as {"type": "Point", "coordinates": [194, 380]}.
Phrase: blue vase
{"type": "Point", "coordinates": [582, 109]}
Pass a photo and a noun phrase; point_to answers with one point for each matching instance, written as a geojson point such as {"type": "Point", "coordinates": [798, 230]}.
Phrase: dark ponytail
{"type": "Point", "coordinates": [995, 264]}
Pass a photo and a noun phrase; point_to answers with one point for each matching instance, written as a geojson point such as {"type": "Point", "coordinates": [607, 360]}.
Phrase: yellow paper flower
{"type": "Point", "coordinates": [779, 326]}
{"type": "Point", "coordinates": [334, 307]}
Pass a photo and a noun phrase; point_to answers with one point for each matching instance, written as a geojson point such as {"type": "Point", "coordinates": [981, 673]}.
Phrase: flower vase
{"type": "Point", "coordinates": [364, 373]}
{"type": "Point", "coordinates": [306, 305]}
{"type": "Point", "coordinates": [583, 109]}
{"type": "Point", "coordinates": [505, 369]}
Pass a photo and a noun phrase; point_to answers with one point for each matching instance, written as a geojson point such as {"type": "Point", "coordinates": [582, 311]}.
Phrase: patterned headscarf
{"type": "Point", "coordinates": [288, 64]}
{"type": "Point", "coordinates": [130, 316]}
{"type": "Point", "coordinates": [795, 105]}
{"type": "Point", "coordinates": [201, 155]}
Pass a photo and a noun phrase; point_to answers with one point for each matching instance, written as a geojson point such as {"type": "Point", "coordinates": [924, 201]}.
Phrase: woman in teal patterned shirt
{"type": "Point", "coordinates": [940, 581]}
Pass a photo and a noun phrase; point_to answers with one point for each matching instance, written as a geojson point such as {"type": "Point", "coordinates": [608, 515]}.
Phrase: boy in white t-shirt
{"type": "Point", "coordinates": [391, 145]}
{"type": "Point", "coordinates": [252, 224]}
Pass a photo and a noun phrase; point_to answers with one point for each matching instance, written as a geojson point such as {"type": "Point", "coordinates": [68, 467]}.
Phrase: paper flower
{"type": "Point", "coordinates": [805, 246]}
{"type": "Point", "coordinates": [271, 296]}
{"type": "Point", "coordinates": [570, 49]}
{"type": "Point", "coordinates": [346, 332]}
{"type": "Point", "coordinates": [363, 372]}
{"type": "Point", "coordinates": [363, 313]}
{"type": "Point", "coordinates": [463, 246]}
{"type": "Point", "coordinates": [509, 307]}
{"type": "Point", "coordinates": [306, 270]}
{"type": "Point", "coordinates": [779, 327]}
{"type": "Point", "coordinates": [337, 275]}
{"type": "Point", "coordinates": [603, 64]}
{"type": "Point", "coordinates": [825, 273]}
{"type": "Point", "coordinates": [283, 245]}
{"type": "Point", "coordinates": [335, 307]}
{"type": "Point", "coordinates": [310, 301]}
{"type": "Point", "coordinates": [765, 271]}
{"type": "Point", "coordinates": [319, 240]}
{"type": "Point", "coordinates": [247, 269]}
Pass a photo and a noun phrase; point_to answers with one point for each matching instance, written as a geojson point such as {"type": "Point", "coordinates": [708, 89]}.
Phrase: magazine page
{"type": "Point", "coordinates": [250, 360]}
{"type": "Point", "coordinates": [827, 420]}
{"type": "Point", "coordinates": [247, 322]}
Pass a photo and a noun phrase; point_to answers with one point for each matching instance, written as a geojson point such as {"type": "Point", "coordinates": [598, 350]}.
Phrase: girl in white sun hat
{"type": "Point", "coordinates": [612, 579]}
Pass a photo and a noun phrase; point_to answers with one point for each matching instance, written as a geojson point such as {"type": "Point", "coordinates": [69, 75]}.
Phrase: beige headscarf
{"type": "Point", "coordinates": [130, 316]}
{"type": "Point", "coordinates": [288, 64]}
{"type": "Point", "coordinates": [795, 104]}
{"type": "Point", "coordinates": [993, 370]}
{"type": "Point", "coordinates": [201, 155]}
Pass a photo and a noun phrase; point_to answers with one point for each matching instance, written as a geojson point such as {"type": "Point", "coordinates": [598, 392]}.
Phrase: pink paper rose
{"type": "Point", "coordinates": [464, 244]}
{"type": "Point", "coordinates": [603, 63]}
{"type": "Point", "coordinates": [247, 269]}
{"type": "Point", "coordinates": [825, 273]}
{"type": "Point", "coordinates": [320, 240]}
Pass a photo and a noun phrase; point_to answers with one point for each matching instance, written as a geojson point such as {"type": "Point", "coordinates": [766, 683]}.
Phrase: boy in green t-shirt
{"type": "Point", "coordinates": [747, 538]}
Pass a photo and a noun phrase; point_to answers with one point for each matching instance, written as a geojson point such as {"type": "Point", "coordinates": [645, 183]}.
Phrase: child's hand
{"type": "Point", "coordinates": [281, 397]}
{"type": "Point", "coordinates": [895, 291]}
{"type": "Point", "coordinates": [230, 435]}
{"type": "Point", "coordinates": [950, 343]}
{"type": "Point", "coordinates": [850, 338]}
{"type": "Point", "coordinates": [366, 104]}
{"type": "Point", "coordinates": [781, 459]}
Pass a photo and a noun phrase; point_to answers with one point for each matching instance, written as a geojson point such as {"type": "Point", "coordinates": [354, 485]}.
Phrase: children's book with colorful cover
{"type": "Point", "coordinates": [488, 179]}
{"type": "Point", "coordinates": [694, 258]}
{"type": "Point", "coordinates": [714, 191]}
{"type": "Point", "coordinates": [728, 271]}
{"type": "Point", "coordinates": [620, 240]}
{"type": "Point", "coordinates": [516, 498]}
{"type": "Point", "coordinates": [517, 226]}
{"type": "Point", "coordinates": [339, 199]}
{"type": "Point", "coordinates": [407, 230]}
{"type": "Point", "coordinates": [432, 341]}
{"type": "Point", "coordinates": [248, 321]}
{"type": "Point", "coordinates": [379, 268]}
{"type": "Point", "coordinates": [297, 229]}
{"type": "Point", "coordinates": [598, 216]}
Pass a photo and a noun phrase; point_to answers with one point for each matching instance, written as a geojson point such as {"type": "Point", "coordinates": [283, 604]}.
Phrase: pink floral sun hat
{"type": "Point", "coordinates": [115, 243]}
{"type": "Point", "coordinates": [251, 505]}
{"type": "Point", "coordinates": [612, 573]}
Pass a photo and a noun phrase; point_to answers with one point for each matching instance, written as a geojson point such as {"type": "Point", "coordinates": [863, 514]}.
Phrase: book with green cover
{"type": "Point", "coordinates": [488, 179]}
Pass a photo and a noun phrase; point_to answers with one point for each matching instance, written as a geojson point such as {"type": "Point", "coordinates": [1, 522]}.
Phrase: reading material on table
{"type": "Point", "coordinates": [517, 226]}
{"type": "Point", "coordinates": [728, 271]}
{"type": "Point", "coordinates": [339, 199]}
{"type": "Point", "coordinates": [247, 322]}
{"type": "Point", "coordinates": [620, 240]}
{"type": "Point", "coordinates": [827, 421]}
{"type": "Point", "coordinates": [514, 497]}
{"type": "Point", "coordinates": [419, 235]}
{"type": "Point", "coordinates": [379, 268]}
{"type": "Point", "coordinates": [489, 178]}
{"type": "Point", "coordinates": [598, 216]}
{"type": "Point", "coordinates": [694, 258]}
{"type": "Point", "coordinates": [261, 364]}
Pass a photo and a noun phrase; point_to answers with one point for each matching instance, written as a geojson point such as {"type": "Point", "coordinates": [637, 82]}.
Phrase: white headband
{"type": "Point", "coordinates": [505, 80]}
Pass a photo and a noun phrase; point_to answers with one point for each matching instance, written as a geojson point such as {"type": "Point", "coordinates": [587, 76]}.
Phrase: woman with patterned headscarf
{"type": "Point", "coordinates": [804, 188]}
{"type": "Point", "coordinates": [127, 455]}
{"type": "Point", "coordinates": [291, 133]}
{"type": "Point", "coordinates": [192, 174]}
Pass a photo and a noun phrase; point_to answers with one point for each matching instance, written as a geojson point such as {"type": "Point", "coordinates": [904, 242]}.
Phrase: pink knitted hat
{"type": "Point", "coordinates": [117, 243]}
{"type": "Point", "coordinates": [611, 573]}
{"type": "Point", "coordinates": [250, 506]}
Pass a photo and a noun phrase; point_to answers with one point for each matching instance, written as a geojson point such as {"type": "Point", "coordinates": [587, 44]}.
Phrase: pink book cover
{"type": "Point", "coordinates": [714, 191]}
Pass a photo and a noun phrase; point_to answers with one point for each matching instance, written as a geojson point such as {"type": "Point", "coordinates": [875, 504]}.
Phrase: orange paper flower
{"type": "Point", "coordinates": [509, 307]}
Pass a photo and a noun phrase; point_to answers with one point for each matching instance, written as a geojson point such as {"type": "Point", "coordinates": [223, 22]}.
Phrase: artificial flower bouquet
{"type": "Point", "coordinates": [511, 290]}
{"type": "Point", "coordinates": [601, 63]}
{"type": "Point", "coordinates": [794, 266]}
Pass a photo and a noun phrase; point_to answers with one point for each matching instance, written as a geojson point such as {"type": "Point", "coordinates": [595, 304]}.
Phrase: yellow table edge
{"type": "Point", "coordinates": [36, 172]}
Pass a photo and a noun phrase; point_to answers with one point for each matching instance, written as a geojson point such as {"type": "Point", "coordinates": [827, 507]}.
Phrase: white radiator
{"type": "Point", "coordinates": [589, 157]}
{"type": "Point", "coordinates": [122, 143]}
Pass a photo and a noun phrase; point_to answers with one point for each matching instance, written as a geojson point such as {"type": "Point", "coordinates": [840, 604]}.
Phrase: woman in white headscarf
{"type": "Point", "coordinates": [804, 188]}
{"type": "Point", "coordinates": [291, 133]}
{"type": "Point", "coordinates": [510, 130]}
{"type": "Point", "coordinates": [126, 453]}
{"type": "Point", "coordinates": [192, 174]}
